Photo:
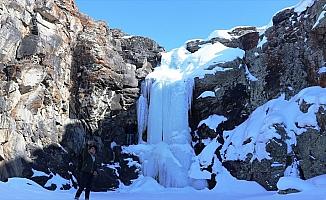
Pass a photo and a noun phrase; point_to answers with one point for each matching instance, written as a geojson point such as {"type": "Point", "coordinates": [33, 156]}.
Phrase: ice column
{"type": "Point", "coordinates": [162, 110]}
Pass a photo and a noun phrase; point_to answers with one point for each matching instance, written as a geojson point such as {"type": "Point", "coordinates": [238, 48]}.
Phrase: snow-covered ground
{"type": "Point", "coordinates": [147, 189]}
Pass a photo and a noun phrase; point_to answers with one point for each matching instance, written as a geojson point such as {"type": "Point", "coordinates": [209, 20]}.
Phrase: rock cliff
{"type": "Point", "coordinates": [64, 79]}
{"type": "Point", "coordinates": [282, 59]}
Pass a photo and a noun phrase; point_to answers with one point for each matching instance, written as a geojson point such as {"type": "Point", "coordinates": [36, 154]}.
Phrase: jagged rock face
{"type": "Point", "coordinates": [231, 97]}
{"type": "Point", "coordinates": [286, 63]}
{"type": "Point", "coordinates": [107, 79]}
{"type": "Point", "coordinates": [311, 149]}
{"type": "Point", "coordinates": [35, 69]}
{"type": "Point", "coordinates": [265, 172]}
{"type": "Point", "coordinates": [245, 38]}
{"type": "Point", "coordinates": [65, 78]}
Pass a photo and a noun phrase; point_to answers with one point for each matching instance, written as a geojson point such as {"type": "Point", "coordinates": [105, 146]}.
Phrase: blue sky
{"type": "Point", "coordinates": [172, 22]}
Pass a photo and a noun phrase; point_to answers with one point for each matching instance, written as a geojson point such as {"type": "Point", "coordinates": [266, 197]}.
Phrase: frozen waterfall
{"type": "Point", "coordinates": [162, 112]}
{"type": "Point", "coordinates": [168, 112]}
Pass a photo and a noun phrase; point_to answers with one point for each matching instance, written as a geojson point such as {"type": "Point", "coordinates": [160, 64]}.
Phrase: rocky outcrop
{"type": "Point", "coordinates": [310, 149]}
{"type": "Point", "coordinates": [286, 60]}
{"type": "Point", "coordinates": [245, 38]}
{"type": "Point", "coordinates": [35, 59]}
{"type": "Point", "coordinates": [64, 79]}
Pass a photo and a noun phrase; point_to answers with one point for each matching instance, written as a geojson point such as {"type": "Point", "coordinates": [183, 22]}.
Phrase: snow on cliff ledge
{"type": "Point", "coordinates": [252, 136]}
{"type": "Point", "coordinates": [303, 5]}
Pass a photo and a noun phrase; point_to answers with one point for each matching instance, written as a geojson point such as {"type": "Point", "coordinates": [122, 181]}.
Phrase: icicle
{"type": "Point", "coordinates": [142, 108]}
{"type": "Point", "coordinates": [146, 87]}
{"type": "Point", "coordinates": [190, 88]}
{"type": "Point", "coordinates": [155, 114]}
{"type": "Point", "coordinates": [142, 115]}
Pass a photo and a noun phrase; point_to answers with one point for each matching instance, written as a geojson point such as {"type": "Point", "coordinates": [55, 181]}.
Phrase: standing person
{"type": "Point", "coordinates": [130, 131]}
{"type": "Point", "coordinates": [88, 169]}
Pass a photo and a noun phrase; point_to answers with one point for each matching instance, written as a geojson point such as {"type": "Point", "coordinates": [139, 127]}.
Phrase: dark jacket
{"type": "Point", "coordinates": [87, 164]}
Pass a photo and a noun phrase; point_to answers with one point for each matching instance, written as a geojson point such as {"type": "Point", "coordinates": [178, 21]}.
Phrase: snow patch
{"type": "Point", "coordinates": [220, 34]}
{"type": "Point", "coordinates": [181, 62]}
{"type": "Point", "coordinates": [208, 153]}
{"type": "Point", "coordinates": [113, 166]}
{"type": "Point", "coordinates": [322, 70]}
{"type": "Point", "coordinates": [276, 164]}
{"type": "Point", "coordinates": [293, 170]}
{"type": "Point", "coordinates": [249, 76]}
{"type": "Point", "coordinates": [262, 42]}
{"type": "Point", "coordinates": [127, 36]}
{"type": "Point", "coordinates": [207, 94]}
{"type": "Point", "coordinates": [252, 136]}
{"type": "Point", "coordinates": [321, 16]}
{"type": "Point", "coordinates": [38, 173]}
{"type": "Point", "coordinates": [143, 184]}
{"type": "Point", "coordinates": [228, 184]}
{"type": "Point", "coordinates": [290, 182]}
{"type": "Point", "coordinates": [212, 121]}
{"type": "Point", "coordinates": [319, 181]}
{"type": "Point", "coordinates": [303, 6]}
{"type": "Point", "coordinates": [57, 180]}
